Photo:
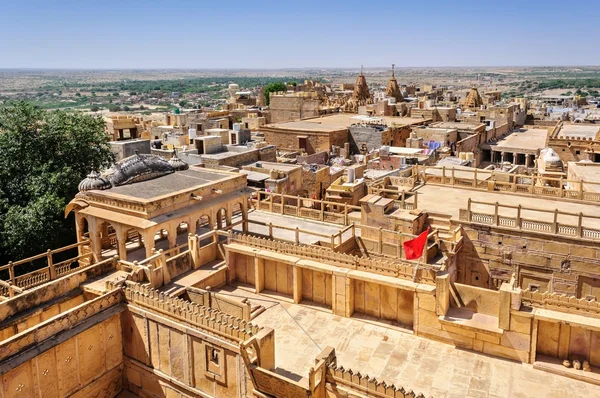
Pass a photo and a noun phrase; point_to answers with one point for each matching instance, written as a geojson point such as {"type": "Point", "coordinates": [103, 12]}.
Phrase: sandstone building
{"type": "Point", "coordinates": [186, 282]}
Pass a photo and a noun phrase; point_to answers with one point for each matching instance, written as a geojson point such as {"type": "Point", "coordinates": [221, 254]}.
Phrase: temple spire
{"type": "Point", "coordinates": [393, 74]}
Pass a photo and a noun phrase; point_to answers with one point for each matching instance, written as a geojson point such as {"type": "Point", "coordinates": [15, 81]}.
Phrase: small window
{"type": "Point", "coordinates": [577, 152]}
{"type": "Point", "coordinates": [214, 356]}
{"type": "Point", "coordinates": [533, 287]}
{"type": "Point", "coordinates": [215, 363]}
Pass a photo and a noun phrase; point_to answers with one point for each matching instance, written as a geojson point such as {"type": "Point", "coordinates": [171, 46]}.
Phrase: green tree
{"type": "Point", "coordinates": [95, 108]}
{"type": "Point", "coordinates": [273, 88]}
{"type": "Point", "coordinates": [43, 157]}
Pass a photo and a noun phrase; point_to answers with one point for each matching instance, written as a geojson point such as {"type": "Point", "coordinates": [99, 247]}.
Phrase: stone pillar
{"type": "Point", "coordinates": [442, 293]}
{"type": "Point", "coordinates": [191, 227]}
{"type": "Point", "coordinates": [79, 226]}
{"type": "Point", "coordinates": [172, 236]}
{"type": "Point", "coordinates": [149, 242]}
{"type": "Point", "coordinates": [245, 215]}
{"type": "Point", "coordinates": [297, 281]}
{"type": "Point", "coordinates": [343, 294]}
{"type": "Point", "coordinates": [504, 304]}
{"type": "Point", "coordinates": [259, 275]}
{"type": "Point", "coordinates": [515, 158]}
{"type": "Point", "coordinates": [219, 216]}
{"type": "Point", "coordinates": [96, 243]}
{"type": "Point", "coordinates": [501, 157]}
{"type": "Point", "coordinates": [122, 245]}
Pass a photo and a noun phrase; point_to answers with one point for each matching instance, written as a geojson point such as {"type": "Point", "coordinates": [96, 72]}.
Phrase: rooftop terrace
{"type": "Point", "coordinates": [395, 355]}
{"type": "Point", "coordinates": [341, 121]}
{"type": "Point", "coordinates": [169, 184]}
{"type": "Point", "coordinates": [527, 139]}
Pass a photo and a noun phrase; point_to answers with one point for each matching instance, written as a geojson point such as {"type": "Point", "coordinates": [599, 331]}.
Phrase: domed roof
{"type": "Point", "coordinates": [139, 167]}
{"type": "Point", "coordinates": [178, 164]}
{"type": "Point", "coordinates": [94, 181]}
{"type": "Point", "coordinates": [136, 168]}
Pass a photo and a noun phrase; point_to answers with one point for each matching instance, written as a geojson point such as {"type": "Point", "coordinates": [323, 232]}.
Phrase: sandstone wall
{"type": "Point", "coordinates": [288, 108]}
{"type": "Point", "coordinates": [561, 265]}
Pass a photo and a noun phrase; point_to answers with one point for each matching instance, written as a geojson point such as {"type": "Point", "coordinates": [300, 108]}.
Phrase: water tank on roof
{"type": "Point", "coordinates": [384, 151]}
{"type": "Point", "coordinates": [351, 175]}
{"type": "Point", "coordinates": [237, 126]}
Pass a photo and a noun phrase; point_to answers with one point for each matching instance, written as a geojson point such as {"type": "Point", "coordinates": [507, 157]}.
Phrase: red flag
{"type": "Point", "coordinates": [414, 248]}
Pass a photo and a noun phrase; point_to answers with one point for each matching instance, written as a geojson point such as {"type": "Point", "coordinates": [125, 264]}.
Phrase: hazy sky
{"type": "Point", "coordinates": [290, 33]}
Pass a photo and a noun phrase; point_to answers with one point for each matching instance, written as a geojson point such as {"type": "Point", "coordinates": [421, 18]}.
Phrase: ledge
{"type": "Point", "coordinates": [554, 365]}
{"type": "Point", "coordinates": [471, 320]}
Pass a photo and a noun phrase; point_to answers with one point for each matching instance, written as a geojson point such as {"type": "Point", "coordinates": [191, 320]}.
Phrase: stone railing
{"type": "Point", "coordinates": [51, 271]}
{"type": "Point", "coordinates": [206, 318]}
{"type": "Point", "coordinates": [560, 302]}
{"type": "Point", "coordinates": [61, 322]}
{"type": "Point", "coordinates": [399, 268]}
{"type": "Point", "coordinates": [363, 384]}
{"type": "Point", "coordinates": [237, 308]}
{"type": "Point", "coordinates": [508, 182]}
{"type": "Point", "coordinates": [303, 207]}
{"type": "Point", "coordinates": [530, 224]}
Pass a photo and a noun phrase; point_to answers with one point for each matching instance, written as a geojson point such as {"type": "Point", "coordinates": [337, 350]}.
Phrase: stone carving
{"type": "Point", "coordinates": [393, 90]}
{"type": "Point", "coordinates": [361, 95]}
{"type": "Point", "coordinates": [136, 168]}
{"type": "Point", "coordinates": [473, 100]}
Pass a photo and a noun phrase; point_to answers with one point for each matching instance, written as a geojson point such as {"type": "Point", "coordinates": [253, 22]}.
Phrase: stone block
{"type": "Point", "coordinates": [505, 352]}
{"type": "Point", "coordinates": [518, 341]}
{"type": "Point", "coordinates": [556, 247]}
{"type": "Point", "coordinates": [478, 345]}
{"type": "Point", "coordinates": [489, 338]}
{"type": "Point", "coordinates": [520, 324]}
{"type": "Point", "coordinates": [426, 301]}
{"type": "Point", "coordinates": [429, 319]}
{"type": "Point", "coordinates": [459, 330]}
{"type": "Point", "coordinates": [582, 251]}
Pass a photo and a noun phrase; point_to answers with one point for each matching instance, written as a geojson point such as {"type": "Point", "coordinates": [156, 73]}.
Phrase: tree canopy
{"type": "Point", "coordinates": [273, 88]}
{"type": "Point", "coordinates": [43, 157]}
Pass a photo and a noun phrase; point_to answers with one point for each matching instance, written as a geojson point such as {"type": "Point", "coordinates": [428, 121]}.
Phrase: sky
{"type": "Point", "coordinates": [201, 34]}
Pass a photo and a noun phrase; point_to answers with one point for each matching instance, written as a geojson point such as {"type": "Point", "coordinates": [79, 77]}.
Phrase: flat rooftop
{"type": "Point", "coordinates": [342, 121]}
{"type": "Point", "coordinates": [456, 125]}
{"type": "Point", "coordinates": [579, 131]}
{"type": "Point", "coordinates": [586, 171]}
{"type": "Point", "coordinates": [395, 355]}
{"type": "Point", "coordinates": [528, 139]}
{"type": "Point", "coordinates": [449, 200]}
{"type": "Point", "coordinates": [169, 184]}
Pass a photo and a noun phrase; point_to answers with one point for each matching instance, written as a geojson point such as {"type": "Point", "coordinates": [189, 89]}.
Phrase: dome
{"type": "Point", "coordinates": [94, 181]}
{"type": "Point", "coordinates": [178, 164]}
{"type": "Point", "coordinates": [138, 168]}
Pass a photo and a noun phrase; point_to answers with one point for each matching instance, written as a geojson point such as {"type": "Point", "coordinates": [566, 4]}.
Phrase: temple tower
{"type": "Point", "coordinates": [393, 90]}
